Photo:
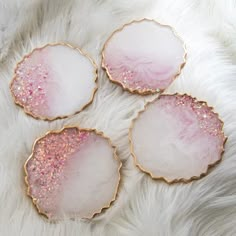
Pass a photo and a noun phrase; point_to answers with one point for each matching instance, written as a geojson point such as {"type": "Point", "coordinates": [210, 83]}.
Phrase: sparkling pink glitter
{"type": "Point", "coordinates": [47, 164]}
{"type": "Point", "coordinates": [208, 121]}
{"type": "Point", "coordinates": [29, 87]}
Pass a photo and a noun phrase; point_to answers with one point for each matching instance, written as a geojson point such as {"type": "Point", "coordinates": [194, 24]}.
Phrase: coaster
{"type": "Point", "coordinates": [72, 173]}
{"type": "Point", "coordinates": [177, 138]}
{"type": "Point", "coordinates": [54, 81]}
{"type": "Point", "coordinates": [144, 56]}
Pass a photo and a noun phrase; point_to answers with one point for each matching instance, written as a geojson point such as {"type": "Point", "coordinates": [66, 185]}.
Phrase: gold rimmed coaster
{"type": "Point", "coordinates": [72, 173]}
{"type": "Point", "coordinates": [54, 81]}
{"type": "Point", "coordinates": [144, 56]}
{"type": "Point", "coordinates": [177, 138]}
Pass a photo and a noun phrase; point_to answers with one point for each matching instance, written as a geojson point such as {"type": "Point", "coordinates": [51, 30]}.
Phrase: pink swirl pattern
{"type": "Point", "coordinates": [144, 56]}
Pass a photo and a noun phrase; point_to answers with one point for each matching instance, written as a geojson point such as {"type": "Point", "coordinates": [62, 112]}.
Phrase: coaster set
{"type": "Point", "coordinates": [75, 172]}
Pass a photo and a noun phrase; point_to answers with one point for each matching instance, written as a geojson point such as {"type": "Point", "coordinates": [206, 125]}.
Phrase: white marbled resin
{"type": "Point", "coordinates": [91, 180]}
{"type": "Point", "coordinates": [74, 83]}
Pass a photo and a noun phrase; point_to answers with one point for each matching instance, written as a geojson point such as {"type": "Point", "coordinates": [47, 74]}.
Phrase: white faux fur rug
{"type": "Point", "coordinates": [144, 207]}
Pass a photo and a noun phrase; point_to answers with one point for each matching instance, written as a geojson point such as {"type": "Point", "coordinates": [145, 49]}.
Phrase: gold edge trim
{"type": "Point", "coordinates": [45, 118]}
{"type": "Point", "coordinates": [181, 180]}
{"type": "Point", "coordinates": [144, 91]}
{"type": "Point", "coordinates": [101, 134]}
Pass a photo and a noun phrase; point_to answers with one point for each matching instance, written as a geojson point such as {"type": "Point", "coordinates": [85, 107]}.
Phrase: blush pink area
{"type": "Point", "coordinates": [32, 83]}
{"type": "Point", "coordinates": [177, 138]}
{"type": "Point", "coordinates": [144, 56]}
{"type": "Point", "coordinates": [72, 173]}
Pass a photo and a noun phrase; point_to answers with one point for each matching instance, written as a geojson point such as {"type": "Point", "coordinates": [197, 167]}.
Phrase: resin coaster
{"type": "Point", "coordinates": [144, 56]}
{"type": "Point", "coordinates": [177, 138]}
{"type": "Point", "coordinates": [54, 81]}
{"type": "Point", "coordinates": [72, 173]}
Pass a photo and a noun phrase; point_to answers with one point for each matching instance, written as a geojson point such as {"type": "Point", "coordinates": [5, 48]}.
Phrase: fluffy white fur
{"type": "Point", "coordinates": [144, 206]}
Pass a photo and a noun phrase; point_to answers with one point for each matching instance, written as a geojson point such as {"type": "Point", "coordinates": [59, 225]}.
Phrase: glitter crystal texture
{"type": "Point", "coordinates": [208, 121]}
{"type": "Point", "coordinates": [183, 137]}
{"type": "Point", "coordinates": [61, 173]}
{"type": "Point", "coordinates": [48, 162]}
{"type": "Point", "coordinates": [144, 56]}
{"type": "Point", "coordinates": [29, 86]}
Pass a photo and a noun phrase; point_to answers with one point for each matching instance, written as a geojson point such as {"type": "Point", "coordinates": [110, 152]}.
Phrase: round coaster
{"type": "Point", "coordinates": [177, 138]}
{"type": "Point", "coordinates": [54, 81]}
{"type": "Point", "coordinates": [144, 56]}
{"type": "Point", "coordinates": [72, 173]}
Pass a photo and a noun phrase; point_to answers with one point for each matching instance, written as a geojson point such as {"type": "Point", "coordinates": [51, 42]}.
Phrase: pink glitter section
{"type": "Point", "coordinates": [138, 74]}
{"type": "Point", "coordinates": [47, 164]}
{"type": "Point", "coordinates": [183, 105]}
{"type": "Point", "coordinates": [29, 87]}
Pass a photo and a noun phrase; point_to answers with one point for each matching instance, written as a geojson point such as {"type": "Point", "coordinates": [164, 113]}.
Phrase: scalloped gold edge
{"type": "Point", "coordinates": [99, 133]}
{"type": "Point", "coordinates": [144, 91]}
{"type": "Point", "coordinates": [45, 118]}
{"type": "Point", "coordinates": [181, 180]}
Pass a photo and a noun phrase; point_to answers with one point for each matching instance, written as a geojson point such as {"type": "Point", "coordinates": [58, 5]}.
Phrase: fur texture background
{"type": "Point", "coordinates": [144, 207]}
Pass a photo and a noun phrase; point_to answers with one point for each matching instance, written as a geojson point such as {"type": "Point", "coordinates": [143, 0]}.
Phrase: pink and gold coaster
{"type": "Point", "coordinates": [144, 56]}
{"type": "Point", "coordinates": [54, 81]}
{"type": "Point", "coordinates": [177, 138]}
{"type": "Point", "coordinates": [72, 173]}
